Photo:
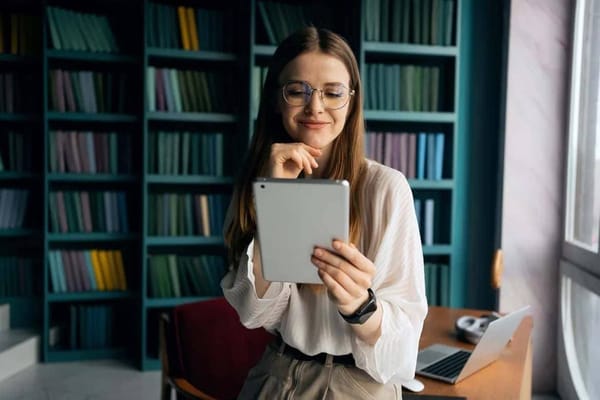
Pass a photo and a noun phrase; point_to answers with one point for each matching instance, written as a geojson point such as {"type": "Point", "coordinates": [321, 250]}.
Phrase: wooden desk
{"type": "Point", "coordinates": [508, 378]}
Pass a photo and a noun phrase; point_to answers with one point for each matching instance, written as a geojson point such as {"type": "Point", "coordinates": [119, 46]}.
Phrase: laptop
{"type": "Point", "coordinates": [453, 364]}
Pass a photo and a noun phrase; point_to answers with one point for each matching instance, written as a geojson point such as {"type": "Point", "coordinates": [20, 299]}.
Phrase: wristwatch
{"type": "Point", "coordinates": [365, 311]}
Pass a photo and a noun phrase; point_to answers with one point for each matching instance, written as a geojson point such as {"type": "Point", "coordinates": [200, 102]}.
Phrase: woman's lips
{"type": "Point", "coordinates": [313, 124]}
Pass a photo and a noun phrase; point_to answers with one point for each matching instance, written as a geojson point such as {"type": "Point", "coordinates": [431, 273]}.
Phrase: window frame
{"type": "Point", "coordinates": [579, 264]}
{"type": "Point", "coordinates": [581, 257]}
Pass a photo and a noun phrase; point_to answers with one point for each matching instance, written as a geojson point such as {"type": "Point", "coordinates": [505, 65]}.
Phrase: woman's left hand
{"type": "Point", "coordinates": [347, 275]}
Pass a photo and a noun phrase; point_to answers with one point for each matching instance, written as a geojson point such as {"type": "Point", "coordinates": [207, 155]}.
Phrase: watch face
{"type": "Point", "coordinates": [364, 312]}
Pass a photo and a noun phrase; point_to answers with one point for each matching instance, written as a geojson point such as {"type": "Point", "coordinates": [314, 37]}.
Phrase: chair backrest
{"type": "Point", "coordinates": [212, 350]}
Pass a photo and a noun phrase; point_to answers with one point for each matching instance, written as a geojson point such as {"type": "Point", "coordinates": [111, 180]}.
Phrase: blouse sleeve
{"type": "Point", "coordinates": [399, 284]}
{"type": "Point", "coordinates": [240, 291]}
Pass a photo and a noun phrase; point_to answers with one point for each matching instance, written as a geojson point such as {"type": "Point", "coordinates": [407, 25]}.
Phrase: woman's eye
{"type": "Point", "coordinates": [296, 93]}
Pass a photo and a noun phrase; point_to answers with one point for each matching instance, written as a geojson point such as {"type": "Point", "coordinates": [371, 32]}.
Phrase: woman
{"type": "Point", "coordinates": [356, 335]}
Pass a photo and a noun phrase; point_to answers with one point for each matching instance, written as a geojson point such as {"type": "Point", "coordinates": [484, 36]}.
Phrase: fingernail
{"type": "Point", "coordinates": [317, 252]}
{"type": "Point", "coordinates": [337, 245]}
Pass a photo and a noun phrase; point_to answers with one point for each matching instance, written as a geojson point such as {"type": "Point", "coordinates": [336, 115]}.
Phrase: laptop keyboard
{"type": "Point", "coordinates": [450, 366]}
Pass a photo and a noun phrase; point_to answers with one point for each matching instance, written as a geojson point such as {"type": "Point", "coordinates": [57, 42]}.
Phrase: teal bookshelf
{"type": "Point", "coordinates": [161, 164]}
{"type": "Point", "coordinates": [85, 131]}
{"type": "Point", "coordinates": [20, 166]}
{"type": "Point", "coordinates": [427, 60]}
{"type": "Point", "coordinates": [171, 126]}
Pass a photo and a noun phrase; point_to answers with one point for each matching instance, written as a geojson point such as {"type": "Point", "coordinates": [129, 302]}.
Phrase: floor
{"type": "Point", "coordinates": [93, 380]}
{"type": "Point", "coordinates": [90, 380]}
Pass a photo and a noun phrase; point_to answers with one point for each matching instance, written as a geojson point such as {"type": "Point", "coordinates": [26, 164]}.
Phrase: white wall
{"type": "Point", "coordinates": [536, 109]}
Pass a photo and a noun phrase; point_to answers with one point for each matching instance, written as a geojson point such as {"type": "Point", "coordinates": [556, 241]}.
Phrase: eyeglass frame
{"type": "Point", "coordinates": [351, 92]}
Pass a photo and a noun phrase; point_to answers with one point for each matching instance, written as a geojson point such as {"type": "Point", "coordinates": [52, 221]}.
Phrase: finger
{"type": "Point", "coordinates": [354, 256]}
{"type": "Point", "coordinates": [307, 164]}
{"type": "Point", "coordinates": [361, 275]}
{"type": "Point", "coordinates": [312, 150]}
{"type": "Point", "coordinates": [354, 281]}
{"type": "Point", "coordinates": [296, 158]}
{"type": "Point", "coordinates": [310, 159]}
{"type": "Point", "coordinates": [334, 289]}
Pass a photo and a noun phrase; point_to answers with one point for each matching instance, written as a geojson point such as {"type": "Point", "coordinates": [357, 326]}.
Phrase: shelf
{"type": "Point", "coordinates": [19, 117]}
{"type": "Point", "coordinates": [92, 354]}
{"type": "Point", "coordinates": [155, 53]}
{"type": "Point", "coordinates": [189, 180]}
{"type": "Point", "coordinates": [89, 296]}
{"type": "Point", "coordinates": [265, 50]}
{"type": "Point", "coordinates": [14, 176]}
{"type": "Point", "coordinates": [191, 117]}
{"type": "Point", "coordinates": [410, 116]}
{"type": "Point", "coordinates": [420, 184]}
{"type": "Point", "coordinates": [17, 59]}
{"type": "Point", "coordinates": [159, 241]}
{"type": "Point", "coordinates": [410, 49]}
{"type": "Point", "coordinates": [87, 56]}
{"type": "Point", "coordinates": [82, 237]}
{"type": "Point", "coordinates": [175, 301]}
{"type": "Point", "coordinates": [20, 299]}
{"type": "Point", "coordinates": [90, 178]}
{"type": "Point", "coordinates": [437, 250]}
{"type": "Point", "coordinates": [18, 232]}
{"type": "Point", "coordinates": [91, 117]}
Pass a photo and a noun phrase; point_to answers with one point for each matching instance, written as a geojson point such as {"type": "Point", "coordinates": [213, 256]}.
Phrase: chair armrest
{"type": "Point", "coordinates": [189, 391]}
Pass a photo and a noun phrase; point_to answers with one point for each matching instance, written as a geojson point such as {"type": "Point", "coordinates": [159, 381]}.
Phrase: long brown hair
{"type": "Point", "coordinates": [347, 155]}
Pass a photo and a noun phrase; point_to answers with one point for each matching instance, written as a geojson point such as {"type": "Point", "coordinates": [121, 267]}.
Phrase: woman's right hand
{"type": "Point", "coordinates": [287, 160]}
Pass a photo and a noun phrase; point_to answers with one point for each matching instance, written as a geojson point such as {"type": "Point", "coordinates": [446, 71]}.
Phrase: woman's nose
{"type": "Point", "coordinates": [315, 103]}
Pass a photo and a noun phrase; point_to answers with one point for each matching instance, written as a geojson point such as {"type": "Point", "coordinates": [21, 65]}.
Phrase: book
{"type": "Point", "coordinates": [429, 222]}
{"type": "Point", "coordinates": [183, 28]}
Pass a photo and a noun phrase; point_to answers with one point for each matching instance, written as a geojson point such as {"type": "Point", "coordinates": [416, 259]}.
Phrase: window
{"type": "Point", "coordinates": [579, 355]}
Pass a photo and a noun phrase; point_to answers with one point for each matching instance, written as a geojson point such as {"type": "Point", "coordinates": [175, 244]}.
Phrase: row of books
{"type": "Point", "coordinates": [188, 91]}
{"type": "Point", "coordinates": [425, 212]}
{"type": "Point", "coordinates": [16, 92]}
{"type": "Point", "coordinates": [90, 152]}
{"type": "Point", "coordinates": [87, 270]}
{"type": "Point", "coordinates": [13, 207]}
{"type": "Point", "coordinates": [73, 30]}
{"type": "Point", "coordinates": [17, 276]}
{"type": "Point", "coordinates": [171, 275]}
{"type": "Point", "coordinates": [183, 153]}
{"type": "Point", "coordinates": [13, 156]}
{"type": "Point", "coordinates": [281, 19]}
{"type": "Point", "coordinates": [416, 155]}
{"type": "Point", "coordinates": [91, 326]}
{"type": "Point", "coordinates": [429, 22]}
{"type": "Point", "coordinates": [74, 211]}
{"type": "Point", "coordinates": [175, 214]}
{"type": "Point", "coordinates": [402, 87]}
{"type": "Point", "coordinates": [189, 28]}
{"type": "Point", "coordinates": [437, 284]}
{"type": "Point", "coordinates": [19, 34]}
{"type": "Point", "coordinates": [87, 91]}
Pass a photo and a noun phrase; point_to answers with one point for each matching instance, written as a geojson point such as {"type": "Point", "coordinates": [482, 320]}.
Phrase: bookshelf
{"type": "Point", "coordinates": [90, 179]}
{"type": "Point", "coordinates": [20, 166]}
{"type": "Point", "coordinates": [138, 177]}
{"type": "Point", "coordinates": [191, 124]}
{"type": "Point", "coordinates": [414, 48]}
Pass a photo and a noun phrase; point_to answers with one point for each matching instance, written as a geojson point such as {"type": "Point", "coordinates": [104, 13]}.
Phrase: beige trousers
{"type": "Point", "coordinates": [280, 376]}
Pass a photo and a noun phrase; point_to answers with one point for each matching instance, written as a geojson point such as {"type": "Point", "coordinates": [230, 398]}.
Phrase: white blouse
{"type": "Point", "coordinates": [309, 321]}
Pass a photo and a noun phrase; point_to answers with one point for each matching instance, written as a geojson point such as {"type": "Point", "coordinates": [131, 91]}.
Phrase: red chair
{"type": "Point", "coordinates": [206, 352]}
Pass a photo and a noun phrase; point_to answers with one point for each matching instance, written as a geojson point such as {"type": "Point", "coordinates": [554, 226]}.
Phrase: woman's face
{"type": "Point", "coordinates": [314, 124]}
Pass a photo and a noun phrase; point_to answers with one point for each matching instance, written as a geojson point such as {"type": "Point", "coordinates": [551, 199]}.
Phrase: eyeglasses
{"type": "Point", "coordinates": [333, 95]}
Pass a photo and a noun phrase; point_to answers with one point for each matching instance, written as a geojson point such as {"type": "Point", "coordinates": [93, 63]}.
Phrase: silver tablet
{"type": "Point", "coordinates": [295, 215]}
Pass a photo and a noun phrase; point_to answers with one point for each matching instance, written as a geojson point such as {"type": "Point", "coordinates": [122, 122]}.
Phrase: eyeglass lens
{"type": "Point", "coordinates": [334, 95]}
